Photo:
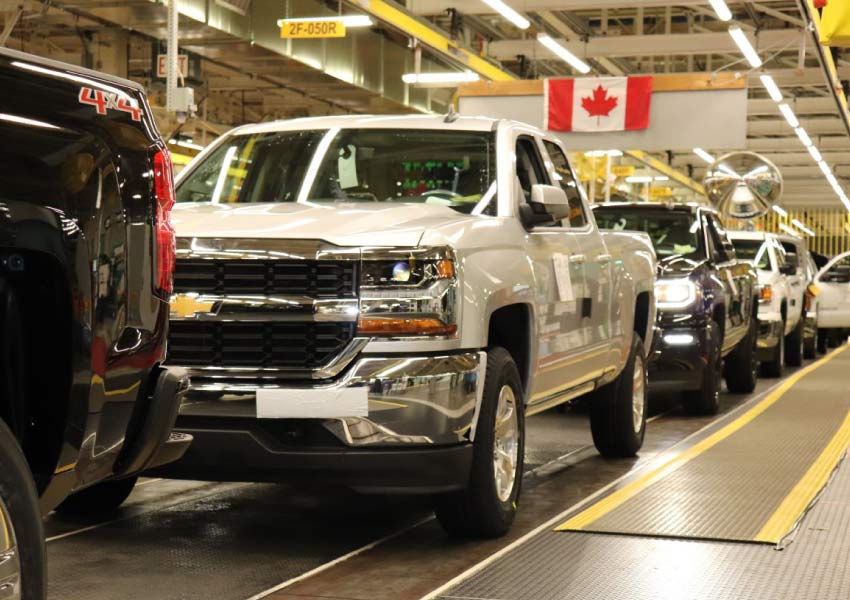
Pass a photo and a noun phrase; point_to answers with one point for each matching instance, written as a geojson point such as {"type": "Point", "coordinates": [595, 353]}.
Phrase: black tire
{"type": "Point", "coordinates": [834, 339]}
{"type": "Point", "coordinates": [706, 400]}
{"type": "Point", "coordinates": [100, 499]}
{"type": "Point", "coordinates": [478, 511]}
{"type": "Point", "coordinates": [823, 341]}
{"type": "Point", "coordinates": [741, 367]}
{"type": "Point", "coordinates": [775, 366]}
{"type": "Point", "coordinates": [17, 491]}
{"type": "Point", "coordinates": [810, 345]}
{"type": "Point", "coordinates": [611, 409]}
{"type": "Point", "coordinates": [794, 345]}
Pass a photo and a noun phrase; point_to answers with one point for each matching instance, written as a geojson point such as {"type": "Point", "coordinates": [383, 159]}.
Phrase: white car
{"type": "Point", "coordinates": [379, 301]}
{"type": "Point", "coordinates": [797, 253]}
{"type": "Point", "coordinates": [781, 300]}
{"type": "Point", "coordinates": [833, 283]}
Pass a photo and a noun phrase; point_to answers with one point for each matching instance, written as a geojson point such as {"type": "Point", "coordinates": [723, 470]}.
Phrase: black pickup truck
{"type": "Point", "coordinates": [707, 302]}
{"type": "Point", "coordinates": [86, 260]}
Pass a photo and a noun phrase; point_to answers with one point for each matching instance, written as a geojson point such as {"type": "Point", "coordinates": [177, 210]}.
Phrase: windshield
{"type": "Point", "coordinates": [673, 233]}
{"type": "Point", "coordinates": [450, 168]}
{"type": "Point", "coordinates": [753, 251]}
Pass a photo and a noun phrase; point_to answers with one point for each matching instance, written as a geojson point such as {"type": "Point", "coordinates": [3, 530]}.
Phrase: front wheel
{"type": "Point", "coordinates": [488, 504]}
{"type": "Point", "coordinates": [706, 400]}
{"type": "Point", "coordinates": [810, 345]}
{"type": "Point", "coordinates": [775, 366]}
{"type": "Point", "coordinates": [618, 410]}
{"type": "Point", "coordinates": [742, 366]}
{"type": "Point", "coordinates": [22, 552]}
{"type": "Point", "coordinates": [794, 345]}
{"type": "Point", "coordinates": [99, 499]}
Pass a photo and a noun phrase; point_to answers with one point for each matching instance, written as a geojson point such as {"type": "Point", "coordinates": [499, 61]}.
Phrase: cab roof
{"type": "Point", "coordinates": [750, 235]}
{"type": "Point", "coordinates": [375, 122]}
{"type": "Point", "coordinates": [679, 206]}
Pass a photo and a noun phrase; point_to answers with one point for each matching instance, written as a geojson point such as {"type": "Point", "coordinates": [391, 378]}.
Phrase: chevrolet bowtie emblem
{"type": "Point", "coordinates": [184, 306]}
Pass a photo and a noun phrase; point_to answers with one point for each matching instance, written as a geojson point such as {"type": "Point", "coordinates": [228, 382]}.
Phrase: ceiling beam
{"type": "Point", "coordinates": [801, 106]}
{"type": "Point", "coordinates": [476, 7]}
{"type": "Point", "coordinates": [642, 45]}
{"type": "Point", "coordinates": [813, 126]}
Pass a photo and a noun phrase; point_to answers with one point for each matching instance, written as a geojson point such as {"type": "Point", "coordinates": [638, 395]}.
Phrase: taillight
{"type": "Point", "coordinates": [163, 179]}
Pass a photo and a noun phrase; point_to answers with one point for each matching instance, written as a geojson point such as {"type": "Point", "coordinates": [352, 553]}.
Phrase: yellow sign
{"type": "Point", "coordinates": [622, 170]}
{"type": "Point", "coordinates": [312, 29]}
{"type": "Point", "coordinates": [660, 192]}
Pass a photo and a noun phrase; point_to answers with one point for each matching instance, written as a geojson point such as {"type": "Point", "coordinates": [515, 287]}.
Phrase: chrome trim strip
{"type": "Point", "coordinates": [255, 374]}
{"type": "Point", "coordinates": [262, 249]}
{"type": "Point", "coordinates": [259, 308]}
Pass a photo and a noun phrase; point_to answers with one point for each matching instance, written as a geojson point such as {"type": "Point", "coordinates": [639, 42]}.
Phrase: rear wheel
{"type": "Point", "coordinates": [823, 341]}
{"type": "Point", "coordinates": [22, 552]}
{"type": "Point", "coordinates": [775, 367]}
{"type": "Point", "coordinates": [794, 345]}
{"type": "Point", "coordinates": [488, 505]}
{"type": "Point", "coordinates": [99, 499]}
{"type": "Point", "coordinates": [742, 365]}
{"type": "Point", "coordinates": [810, 345]}
{"type": "Point", "coordinates": [706, 400]}
{"type": "Point", "coordinates": [618, 410]}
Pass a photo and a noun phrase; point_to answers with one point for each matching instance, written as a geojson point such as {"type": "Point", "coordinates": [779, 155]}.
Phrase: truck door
{"type": "Point", "coordinates": [559, 277]}
{"type": "Point", "coordinates": [833, 281]}
{"type": "Point", "coordinates": [737, 294]}
{"type": "Point", "coordinates": [796, 281]}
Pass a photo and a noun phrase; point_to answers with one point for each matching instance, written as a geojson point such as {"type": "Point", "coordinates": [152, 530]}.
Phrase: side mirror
{"type": "Point", "coordinates": [548, 204]}
{"type": "Point", "coordinates": [788, 269]}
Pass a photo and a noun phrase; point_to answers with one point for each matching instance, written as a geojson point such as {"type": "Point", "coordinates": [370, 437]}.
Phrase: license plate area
{"type": "Point", "coordinates": [312, 404]}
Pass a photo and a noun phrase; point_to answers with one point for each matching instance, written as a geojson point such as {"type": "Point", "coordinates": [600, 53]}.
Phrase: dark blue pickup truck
{"type": "Point", "coordinates": [707, 301]}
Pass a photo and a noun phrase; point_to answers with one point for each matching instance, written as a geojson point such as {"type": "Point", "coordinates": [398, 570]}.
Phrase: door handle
{"type": "Point", "coordinates": [577, 259]}
{"type": "Point", "coordinates": [603, 259]}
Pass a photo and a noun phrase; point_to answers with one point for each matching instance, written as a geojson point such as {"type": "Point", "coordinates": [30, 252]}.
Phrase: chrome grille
{"type": "Point", "coordinates": [295, 345]}
{"type": "Point", "coordinates": [312, 278]}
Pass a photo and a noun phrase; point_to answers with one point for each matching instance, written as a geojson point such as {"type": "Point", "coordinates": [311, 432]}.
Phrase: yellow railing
{"type": "Point", "coordinates": [831, 227]}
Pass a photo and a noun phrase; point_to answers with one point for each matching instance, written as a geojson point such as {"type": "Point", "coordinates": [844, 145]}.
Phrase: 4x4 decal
{"type": "Point", "coordinates": [103, 101]}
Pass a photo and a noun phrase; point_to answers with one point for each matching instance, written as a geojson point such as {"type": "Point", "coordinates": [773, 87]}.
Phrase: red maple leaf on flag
{"type": "Point", "coordinates": [600, 104]}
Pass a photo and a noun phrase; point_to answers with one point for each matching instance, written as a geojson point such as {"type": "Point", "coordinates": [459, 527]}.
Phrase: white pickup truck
{"type": "Point", "coordinates": [381, 301]}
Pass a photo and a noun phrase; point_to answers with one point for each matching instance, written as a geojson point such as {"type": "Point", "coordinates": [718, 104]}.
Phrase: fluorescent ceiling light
{"type": "Point", "coordinates": [815, 153]}
{"type": "Point", "coordinates": [802, 227]}
{"type": "Point", "coordinates": [771, 87]}
{"type": "Point", "coordinates": [723, 12]}
{"type": "Point", "coordinates": [598, 153]}
{"type": "Point", "coordinates": [804, 137]}
{"type": "Point", "coordinates": [704, 155]}
{"type": "Point", "coordinates": [447, 77]}
{"type": "Point", "coordinates": [509, 13]}
{"type": "Point", "coordinates": [780, 211]}
{"type": "Point", "coordinates": [825, 169]}
{"type": "Point", "coordinates": [347, 20]}
{"type": "Point", "coordinates": [789, 115]}
{"type": "Point", "coordinates": [568, 57]}
{"type": "Point", "coordinates": [787, 229]}
{"type": "Point", "coordinates": [745, 46]}
{"type": "Point", "coordinates": [638, 178]}
{"type": "Point", "coordinates": [662, 178]}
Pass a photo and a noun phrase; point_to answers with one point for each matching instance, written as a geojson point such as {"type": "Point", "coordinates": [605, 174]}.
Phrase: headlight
{"type": "Point", "coordinates": [675, 293]}
{"type": "Point", "coordinates": [408, 292]}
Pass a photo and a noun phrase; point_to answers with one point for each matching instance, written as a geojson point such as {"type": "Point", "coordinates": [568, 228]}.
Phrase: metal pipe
{"type": "Point", "coordinates": [172, 59]}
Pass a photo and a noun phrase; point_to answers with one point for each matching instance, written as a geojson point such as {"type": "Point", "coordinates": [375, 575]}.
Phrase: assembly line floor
{"type": "Point", "coordinates": [232, 541]}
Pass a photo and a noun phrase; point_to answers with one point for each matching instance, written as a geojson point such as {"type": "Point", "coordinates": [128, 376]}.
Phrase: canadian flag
{"type": "Point", "coordinates": [598, 103]}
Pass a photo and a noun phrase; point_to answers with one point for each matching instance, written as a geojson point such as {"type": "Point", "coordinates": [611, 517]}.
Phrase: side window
{"type": "Point", "coordinates": [565, 178]}
{"type": "Point", "coordinates": [791, 254]}
{"type": "Point", "coordinates": [723, 237]}
{"type": "Point", "coordinates": [839, 272]}
{"type": "Point", "coordinates": [780, 255]}
{"type": "Point", "coordinates": [529, 167]}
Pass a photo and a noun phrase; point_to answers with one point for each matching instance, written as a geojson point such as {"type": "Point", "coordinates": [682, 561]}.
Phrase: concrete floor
{"type": "Point", "coordinates": [232, 541]}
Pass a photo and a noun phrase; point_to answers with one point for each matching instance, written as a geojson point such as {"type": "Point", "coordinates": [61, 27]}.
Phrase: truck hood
{"type": "Point", "coordinates": [677, 266]}
{"type": "Point", "coordinates": [341, 224]}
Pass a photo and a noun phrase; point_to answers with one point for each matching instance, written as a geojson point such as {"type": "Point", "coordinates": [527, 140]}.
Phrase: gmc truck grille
{"type": "Point", "coordinates": [313, 278]}
{"type": "Point", "coordinates": [292, 345]}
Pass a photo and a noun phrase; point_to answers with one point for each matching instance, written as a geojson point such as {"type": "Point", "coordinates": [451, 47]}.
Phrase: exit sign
{"type": "Point", "coordinates": [312, 29]}
{"type": "Point", "coordinates": [162, 65]}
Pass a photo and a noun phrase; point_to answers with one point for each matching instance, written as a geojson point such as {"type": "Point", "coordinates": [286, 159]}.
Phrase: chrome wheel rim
{"type": "Point", "coordinates": [506, 443]}
{"type": "Point", "coordinates": [638, 395]}
{"type": "Point", "coordinates": [10, 562]}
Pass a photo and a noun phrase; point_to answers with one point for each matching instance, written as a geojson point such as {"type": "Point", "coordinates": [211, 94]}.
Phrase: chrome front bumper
{"type": "Point", "coordinates": [413, 400]}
